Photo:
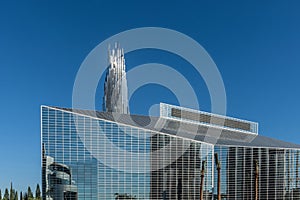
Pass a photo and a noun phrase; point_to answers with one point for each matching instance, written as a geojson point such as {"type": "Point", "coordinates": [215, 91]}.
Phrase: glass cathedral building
{"type": "Point", "coordinates": [100, 155]}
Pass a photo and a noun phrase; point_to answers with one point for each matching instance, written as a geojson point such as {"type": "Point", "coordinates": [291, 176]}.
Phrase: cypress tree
{"type": "Point", "coordinates": [21, 196]}
{"type": "Point", "coordinates": [29, 193]}
{"type": "Point", "coordinates": [11, 192]}
{"type": "Point", "coordinates": [0, 195]}
{"type": "Point", "coordinates": [25, 196]}
{"type": "Point", "coordinates": [38, 192]}
{"type": "Point", "coordinates": [6, 195]}
{"type": "Point", "coordinates": [16, 195]}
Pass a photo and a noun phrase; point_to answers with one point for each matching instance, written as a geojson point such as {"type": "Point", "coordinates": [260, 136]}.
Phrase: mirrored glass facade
{"type": "Point", "coordinates": [102, 172]}
{"type": "Point", "coordinates": [277, 176]}
{"type": "Point", "coordinates": [99, 158]}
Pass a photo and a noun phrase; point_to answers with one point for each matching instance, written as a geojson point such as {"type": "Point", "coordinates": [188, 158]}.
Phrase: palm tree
{"type": "Point", "coordinates": [256, 179]}
{"type": "Point", "coordinates": [202, 179]}
{"type": "Point", "coordinates": [219, 175]}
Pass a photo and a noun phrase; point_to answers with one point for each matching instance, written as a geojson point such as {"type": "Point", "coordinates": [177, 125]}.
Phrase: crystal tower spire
{"type": "Point", "coordinates": [115, 87]}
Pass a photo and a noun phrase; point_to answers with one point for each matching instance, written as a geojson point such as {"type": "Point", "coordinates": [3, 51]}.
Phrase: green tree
{"type": "Point", "coordinates": [25, 196]}
{"type": "Point", "coordinates": [11, 192]}
{"type": "Point", "coordinates": [38, 192]}
{"type": "Point", "coordinates": [0, 195]}
{"type": "Point", "coordinates": [29, 193]}
{"type": "Point", "coordinates": [21, 196]}
{"type": "Point", "coordinates": [6, 195]}
{"type": "Point", "coordinates": [16, 195]}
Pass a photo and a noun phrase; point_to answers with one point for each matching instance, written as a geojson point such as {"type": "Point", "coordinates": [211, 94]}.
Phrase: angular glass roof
{"type": "Point", "coordinates": [195, 131]}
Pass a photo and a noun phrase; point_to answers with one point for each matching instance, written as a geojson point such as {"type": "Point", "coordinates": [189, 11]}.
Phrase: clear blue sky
{"type": "Point", "coordinates": [42, 44]}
